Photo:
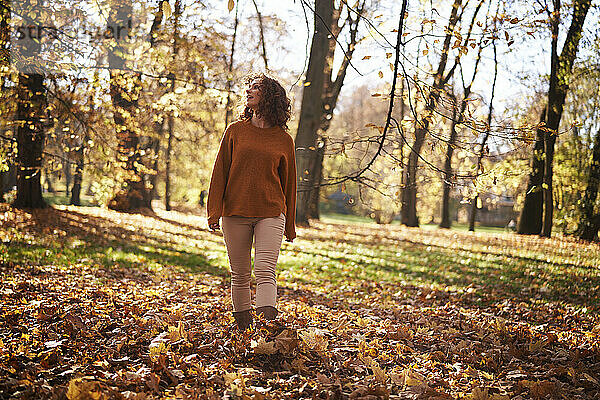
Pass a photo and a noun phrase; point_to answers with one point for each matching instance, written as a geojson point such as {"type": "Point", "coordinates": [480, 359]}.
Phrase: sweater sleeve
{"type": "Point", "coordinates": [287, 174]}
{"type": "Point", "coordinates": [218, 180]}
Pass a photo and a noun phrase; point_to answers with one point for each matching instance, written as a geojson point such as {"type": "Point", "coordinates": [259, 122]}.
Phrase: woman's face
{"type": "Point", "coordinates": [253, 94]}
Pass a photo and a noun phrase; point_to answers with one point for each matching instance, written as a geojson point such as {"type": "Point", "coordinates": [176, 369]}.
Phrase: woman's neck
{"type": "Point", "coordinates": [259, 121]}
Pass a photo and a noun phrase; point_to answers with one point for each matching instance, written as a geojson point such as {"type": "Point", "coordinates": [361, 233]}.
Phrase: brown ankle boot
{"type": "Point", "coordinates": [268, 312]}
{"type": "Point", "coordinates": [243, 319]}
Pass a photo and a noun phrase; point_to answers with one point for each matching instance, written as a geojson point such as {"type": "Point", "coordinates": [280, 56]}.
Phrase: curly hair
{"type": "Point", "coordinates": [274, 105]}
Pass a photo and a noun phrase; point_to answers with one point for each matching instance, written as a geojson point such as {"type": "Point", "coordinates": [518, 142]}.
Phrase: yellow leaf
{"type": "Point", "coordinates": [263, 347]}
{"type": "Point", "coordinates": [380, 74]}
{"type": "Point", "coordinates": [230, 5]}
{"type": "Point", "coordinates": [166, 9]}
{"type": "Point", "coordinates": [379, 373]}
{"type": "Point", "coordinates": [287, 341]}
{"type": "Point", "coordinates": [86, 388]}
{"type": "Point", "coordinates": [229, 377]}
{"type": "Point", "coordinates": [425, 52]}
{"type": "Point", "coordinates": [366, 57]}
{"type": "Point", "coordinates": [315, 339]}
{"type": "Point", "coordinates": [412, 378]}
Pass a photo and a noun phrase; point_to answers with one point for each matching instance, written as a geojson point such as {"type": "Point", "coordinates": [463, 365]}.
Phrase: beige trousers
{"type": "Point", "coordinates": [239, 233]}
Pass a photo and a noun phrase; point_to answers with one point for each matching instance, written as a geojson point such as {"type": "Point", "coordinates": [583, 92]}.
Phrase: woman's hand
{"type": "Point", "coordinates": [214, 227]}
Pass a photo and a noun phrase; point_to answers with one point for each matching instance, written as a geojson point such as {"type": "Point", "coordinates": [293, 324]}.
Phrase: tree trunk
{"type": "Point", "coordinates": [30, 118]}
{"type": "Point", "coordinates": [158, 125]}
{"type": "Point", "coordinates": [80, 156]}
{"type": "Point", "coordinates": [473, 214]}
{"type": "Point", "coordinates": [311, 109]}
{"type": "Point", "coordinates": [317, 172]}
{"type": "Point", "coordinates": [5, 107]}
{"type": "Point", "coordinates": [588, 226]}
{"type": "Point", "coordinates": [169, 149]}
{"type": "Point", "coordinates": [125, 89]}
{"type": "Point", "coordinates": [313, 207]}
{"type": "Point", "coordinates": [331, 91]}
{"type": "Point", "coordinates": [262, 35]}
{"type": "Point", "coordinates": [77, 178]}
{"type": "Point", "coordinates": [448, 180]}
{"type": "Point", "coordinates": [409, 190]}
{"type": "Point", "coordinates": [31, 109]}
{"type": "Point", "coordinates": [550, 137]}
{"type": "Point", "coordinates": [230, 68]}
{"type": "Point", "coordinates": [171, 120]}
{"type": "Point", "coordinates": [76, 189]}
{"type": "Point", "coordinates": [408, 211]}
{"type": "Point", "coordinates": [530, 220]}
{"type": "Point", "coordinates": [559, 85]}
{"type": "Point", "coordinates": [155, 146]}
{"type": "Point", "coordinates": [78, 175]}
{"type": "Point", "coordinates": [531, 215]}
{"type": "Point", "coordinates": [67, 170]}
{"type": "Point", "coordinates": [49, 184]}
{"type": "Point", "coordinates": [4, 40]}
{"type": "Point", "coordinates": [10, 178]}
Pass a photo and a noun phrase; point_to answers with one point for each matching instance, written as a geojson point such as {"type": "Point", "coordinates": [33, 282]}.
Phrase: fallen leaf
{"type": "Point", "coordinates": [263, 347]}
{"type": "Point", "coordinates": [87, 388]}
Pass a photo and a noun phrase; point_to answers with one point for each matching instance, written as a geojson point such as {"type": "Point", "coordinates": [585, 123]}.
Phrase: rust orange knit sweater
{"type": "Point", "coordinates": [254, 175]}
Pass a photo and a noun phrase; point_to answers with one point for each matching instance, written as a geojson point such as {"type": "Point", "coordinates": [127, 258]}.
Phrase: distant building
{"type": "Point", "coordinates": [340, 202]}
{"type": "Point", "coordinates": [496, 210]}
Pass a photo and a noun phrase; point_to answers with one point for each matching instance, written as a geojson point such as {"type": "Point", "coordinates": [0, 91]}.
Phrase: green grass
{"type": "Point", "coordinates": [490, 275]}
{"type": "Point", "coordinates": [60, 198]}
{"type": "Point", "coordinates": [338, 253]}
{"type": "Point", "coordinates": [117, 254]}
{"type": "Point", "coordinates": [351, 219]}
{"type": "Point", "coordinates": [346, 218]}
{"type": "Point", "coordinates": [465, 228]}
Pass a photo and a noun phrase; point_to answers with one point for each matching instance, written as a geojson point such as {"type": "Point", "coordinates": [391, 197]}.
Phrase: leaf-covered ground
{"type": "Point", "coordinates": [98, 304]}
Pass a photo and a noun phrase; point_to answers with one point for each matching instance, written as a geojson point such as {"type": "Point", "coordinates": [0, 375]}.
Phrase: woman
{"type": "Point", "coordinates": [253, 189]}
